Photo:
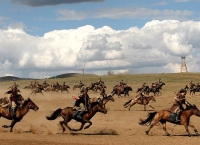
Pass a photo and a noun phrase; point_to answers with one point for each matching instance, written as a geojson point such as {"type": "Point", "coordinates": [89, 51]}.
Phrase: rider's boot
{"type": "Point", "coordinates": [99, 100]}
{"type": "Point", "coordinates": [14, 112]}
{"type": "Point", "coordinates": [80, 116]}
{"type": "Point", "coordinates": [178, 117]}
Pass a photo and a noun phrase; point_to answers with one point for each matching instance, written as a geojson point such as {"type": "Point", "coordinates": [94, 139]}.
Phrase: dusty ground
{"type": "Point", "coordinates": [119, 126]}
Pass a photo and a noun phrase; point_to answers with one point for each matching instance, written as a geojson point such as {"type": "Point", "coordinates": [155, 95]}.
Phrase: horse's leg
{"type": "Point", "coordinates": [90, 123]}
{"type": "Point", "coordinates": [131, 105]}
{"type": "Point", "coordinates": [144, 107]}
{"type": "Point", "coordinates": [81, 127]}
{"type": "Point", "coordinates": [150, 106]}
{"type": "Point", "coordinates": [186, 128]}
{"type": "Point", "coordinates": [12, 125]}
{"type": "Point", "coordinates": [195, 130]}
{"type": "Point", "coordinates": [164, 127]}
{"type": "Point", "coordinates": [155, 121]}
{"type": "Point", "coordinates": [63, 128]}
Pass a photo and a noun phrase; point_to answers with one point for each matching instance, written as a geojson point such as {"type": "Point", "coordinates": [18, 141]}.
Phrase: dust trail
{"type": "Point", "coordinates": [106, 131]}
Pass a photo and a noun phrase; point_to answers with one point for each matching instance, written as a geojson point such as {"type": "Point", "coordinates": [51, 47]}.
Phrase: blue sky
{"type": "Point", "coordinates": [38, 19]}
{"type": "Point", "coordinates": [38, 37]}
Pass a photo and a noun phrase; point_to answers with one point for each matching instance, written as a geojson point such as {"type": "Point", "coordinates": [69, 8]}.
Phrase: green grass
{"type": "Point", "coordinates": [173, 81]}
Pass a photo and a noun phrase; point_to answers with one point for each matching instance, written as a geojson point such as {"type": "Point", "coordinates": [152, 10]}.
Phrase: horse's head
{"type": "Point", "coordinates": [108, 98]}
{"type": "Point", "coordinates": [196, 110]}
{"type": "Point", "coordinates": [100, 107]}
{"type": "Point", "coordinates": [30, 104]}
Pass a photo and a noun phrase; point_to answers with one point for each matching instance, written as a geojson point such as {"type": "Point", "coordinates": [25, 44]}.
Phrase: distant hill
{"type": "Point", "coordinates": [13, 78]}
{"type": "Point", "coordinates": [9, 78]}
{"type": "Point", "coordinates": [65, 75]}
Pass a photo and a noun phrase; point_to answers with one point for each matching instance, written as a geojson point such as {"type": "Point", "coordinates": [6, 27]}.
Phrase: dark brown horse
{"type": "Point", "coordinates": [145, 102]}
{"type": "Point", "coordinates": [164, 116]}
{"type": "Point", "coordinates": [78, 86]}
{"type": "Point", "coordinates": [20, 113]}
{"type": "Point", "coordinates": [68, 114]}
{"type": "Point", "coordinates": [118, 91]}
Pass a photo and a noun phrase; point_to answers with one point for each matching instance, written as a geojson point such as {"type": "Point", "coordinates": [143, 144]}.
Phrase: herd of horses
{"type": "Point", "coordinates": [67, 113]}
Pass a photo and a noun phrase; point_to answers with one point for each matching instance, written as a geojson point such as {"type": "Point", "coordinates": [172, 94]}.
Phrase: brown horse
{"type": "Point", "coordinates": [78, 86]}
{"type": "Point", "coordinates": [117, 91]}
{"type": "Point", "coordinates": [20, 113]}
{"type": "Point", "coordinates": [164, 115]}
{"type": "Point", "coordinates": [145, 102]}
{"type": "Point", "coordinates": [68, 114]}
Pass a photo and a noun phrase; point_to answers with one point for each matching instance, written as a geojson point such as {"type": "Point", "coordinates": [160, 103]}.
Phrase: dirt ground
{"type": "Point", "coordinates": [119, 126]}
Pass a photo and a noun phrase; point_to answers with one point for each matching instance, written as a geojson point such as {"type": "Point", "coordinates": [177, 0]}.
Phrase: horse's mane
{"type": "Point", "coordinates": [94, 104]}
{"type": "Point", "coordinates": [190, 107]}
{"type": "Point", "coordinates": [26, 102]}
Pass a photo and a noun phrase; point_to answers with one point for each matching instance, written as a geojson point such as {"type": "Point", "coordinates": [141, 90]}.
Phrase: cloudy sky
{"type": "Point", "coordinates": [44, 38]}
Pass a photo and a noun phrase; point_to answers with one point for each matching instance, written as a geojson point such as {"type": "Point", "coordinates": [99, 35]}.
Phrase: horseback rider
{"type": "Point", "coordinates": [102, 95]}
{"type": "Point", "coordinates": [100, 82]}
{"type": "Point", "coordinates": [159, 81]}
{"type": "Point", "coordinates": [140, 96]}
{"type": "Point", "coordinates": [81, 104]}
{"type": "Point", "coordinates": [180, 100]}
{"type": "Point", "coordinates": [122, 85]}
{"type": "Point", "coordinates": [80, 83]}
{"type": "Point", "coordinates": [144, 85]}
{"type": "Point", "coordinates": [191, 84]}
{"type": "Point", "coordinates": [13, 100]}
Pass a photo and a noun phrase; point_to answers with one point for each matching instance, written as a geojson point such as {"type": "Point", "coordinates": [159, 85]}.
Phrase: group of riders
{"type": "Point", "coordinates": [178, 104]}
{"type": "Point", "coordinates": [83, 101]}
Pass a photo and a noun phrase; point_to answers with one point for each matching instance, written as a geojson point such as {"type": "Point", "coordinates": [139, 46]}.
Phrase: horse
{"type": "Point", "coordinates": [20, 113]}
{"type": "Point", "coordinates": [118, 92]}
{"type": "Point", "coordinates": [165, 115]}
{"type": "Point", "coordinates": [62, 88]}
{"type": "Point", "coordinates": [145, 102]}
{"type": "Point", "coordinates": [68, 114]}
{"type": "Point", "coordinates": [78, 86]}
{"type": "Point", "coordinates": [146, 90]}
{"type": "Point", "coordinates": [38, 90]}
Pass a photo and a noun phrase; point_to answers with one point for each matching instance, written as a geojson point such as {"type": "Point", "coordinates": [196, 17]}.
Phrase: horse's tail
{"type": "Point", "coordinates": [127, 102]}
{"type": "Point", "coordinates": [54, 115]}
{"type": "Point", "coordinates": [149, 118]}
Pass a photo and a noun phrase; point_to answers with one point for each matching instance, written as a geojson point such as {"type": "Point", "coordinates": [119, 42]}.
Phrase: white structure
{"type": "Point", "coordinates": [183, 65]}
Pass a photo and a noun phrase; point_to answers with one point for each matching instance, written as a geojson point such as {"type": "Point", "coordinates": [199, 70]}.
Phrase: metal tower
{"type": "Point", "coordinates": [183, 65]}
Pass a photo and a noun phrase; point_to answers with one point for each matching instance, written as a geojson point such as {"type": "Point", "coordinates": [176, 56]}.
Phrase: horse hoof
{"type": "Point", "coordinates": [147, 133]}
{"type": "Point", "coordinates": [168, 134]}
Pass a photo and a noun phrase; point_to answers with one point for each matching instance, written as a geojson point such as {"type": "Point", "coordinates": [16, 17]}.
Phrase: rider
{"type": "Point", "coordinates": [102, 94]}
{"type": "Point", "coordinates": [159, 81]}
{"type": "Point", "coordinates": [191, 84]}
{"type": "Point", "coordinates": [179, 101]}
{"type": "Point", "coordinates": [80, 83]}
{"type": "Point", "coordinates": [140, 96]}
{"type": "Point", "coordinates": [81, 104]}
{"type": "Point", "coordinates": [122, 85]}
{"type": "Point", "coordinates": [144, 85]}
{"type": "Point", "coordinates": [13, 100]}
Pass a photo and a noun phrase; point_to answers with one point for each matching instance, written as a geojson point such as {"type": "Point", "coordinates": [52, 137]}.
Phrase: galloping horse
{"type": "Point", "coordinates": [20, 113]}
{"type": "Point", "coordinates": [164, 115]}
{"type": "Point", "coordinates": [145, 102]}
{"type": "Point", "coordinates": [78, 86]}
{"type": "Point", "coordinates": [146, 90]}
{"type": "Point", "coordinates": [68, 114]}
{"type": "Point", "coordinates": [118, 92]}
{"type": "Point", "coordinates": [38, 90]}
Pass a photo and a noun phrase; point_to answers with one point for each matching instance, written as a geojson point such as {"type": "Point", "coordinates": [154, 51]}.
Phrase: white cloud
{"type": "Point", "coordinates": [125, 12]}
{"type": "Point", "coordinates": [155, 48]}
